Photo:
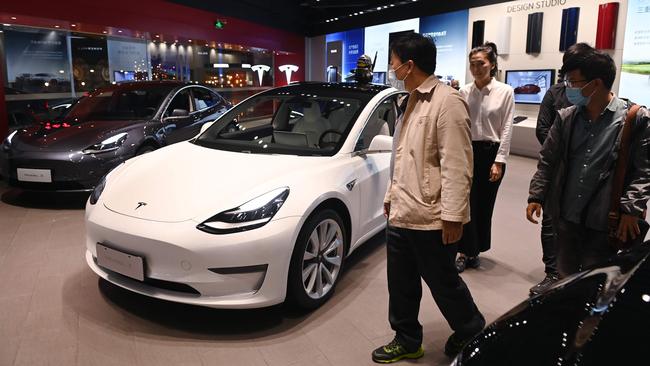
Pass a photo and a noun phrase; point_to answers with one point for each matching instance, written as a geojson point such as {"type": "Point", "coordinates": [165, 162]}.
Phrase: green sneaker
{"type": "Point", "coordinates": [393, 352]}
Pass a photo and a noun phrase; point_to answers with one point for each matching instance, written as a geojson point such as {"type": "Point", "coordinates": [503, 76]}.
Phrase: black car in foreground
{"type": "Point", "coordinates": [597, 317]}
{"type": "Point", "coordinates": [103, 129]}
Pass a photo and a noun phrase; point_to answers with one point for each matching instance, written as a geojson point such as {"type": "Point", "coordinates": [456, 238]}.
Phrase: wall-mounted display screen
{"type": "Point", "coordinates": [376, 39]}
{"type": "Point", "coordinates": [449, 31]}
{"type": "Point", "coordinates": [530, 85]}
{"type": "Point", "coordinates": [349, 46]}
{"type": "Point", "coordinates": [635, 73]}
{"type": "Point", "coordinates": [37, 61]}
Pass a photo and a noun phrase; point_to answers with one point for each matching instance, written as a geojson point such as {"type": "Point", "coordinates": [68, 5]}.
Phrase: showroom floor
{"type": "Point", "coordinates": [55, 311]}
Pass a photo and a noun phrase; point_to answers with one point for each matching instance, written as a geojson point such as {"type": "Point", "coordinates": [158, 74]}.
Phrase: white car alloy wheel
{"type": "Point", "coordinates": [322, 259]}
{"type": "Point", "coordinates": [317, 259]}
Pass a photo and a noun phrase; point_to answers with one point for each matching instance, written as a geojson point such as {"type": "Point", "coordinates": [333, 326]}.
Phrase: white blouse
{"type": "Point", "coordinates": [491, 110]}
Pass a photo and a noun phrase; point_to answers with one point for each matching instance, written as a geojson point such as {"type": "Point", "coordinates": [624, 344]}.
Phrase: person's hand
{"type": "Point", "coordinates": [451, 231]}
{"type": "Point", "coordinates": [628, 227]}
{"type": "Point", "coordinates": [535, 208]}
{"type": "Point", "coordinates": [386, 209]}
{"type": "Point", "coordinates": [496, 171]}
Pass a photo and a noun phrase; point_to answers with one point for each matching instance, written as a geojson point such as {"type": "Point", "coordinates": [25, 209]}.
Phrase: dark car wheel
{"type": "Point", "coordinates": [317, 260]}
{"type": "Point", "coordinates": [144, 149]}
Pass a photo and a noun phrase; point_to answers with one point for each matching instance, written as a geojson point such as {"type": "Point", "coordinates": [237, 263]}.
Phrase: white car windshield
{"type": "Point", "coordinates": [296, 122]}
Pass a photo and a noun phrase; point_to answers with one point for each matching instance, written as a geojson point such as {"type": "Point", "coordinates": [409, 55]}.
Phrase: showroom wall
{"type": "Point", "coordinates": [506, 24]}
{"type": "Point", "coordinates": [550, 56]}
{"type": "Point", "coordinates": [340, 51]}
{"type": "Point", "coordinates": [59, 49]}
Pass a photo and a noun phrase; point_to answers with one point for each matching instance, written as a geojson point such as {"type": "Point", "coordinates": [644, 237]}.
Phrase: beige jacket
{"type": "Point", "coordinates": [432, 160]}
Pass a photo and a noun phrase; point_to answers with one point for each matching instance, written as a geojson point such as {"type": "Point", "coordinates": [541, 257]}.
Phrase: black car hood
{"type": "Point", "coordinates": [55, 136]}
{"type": "Point", "coordinates": [598, 317]}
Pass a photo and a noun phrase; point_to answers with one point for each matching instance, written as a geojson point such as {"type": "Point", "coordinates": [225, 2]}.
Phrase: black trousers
{"type": "Point", "coordinates": [548, 244]}
{"type": "Point", "coordinates": [579, 247]}
{"type": "Point", "coordinates": [413, 255]}
{"type": "Point", "coordinates": [477, 234]}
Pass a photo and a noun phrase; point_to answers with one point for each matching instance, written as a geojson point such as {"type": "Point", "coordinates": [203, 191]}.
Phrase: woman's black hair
{"type": "Point", "coordinates": [490, 50]}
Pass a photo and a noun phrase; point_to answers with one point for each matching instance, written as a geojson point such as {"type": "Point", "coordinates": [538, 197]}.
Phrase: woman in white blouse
{"type": "Point", "coordinates": [491, 108]}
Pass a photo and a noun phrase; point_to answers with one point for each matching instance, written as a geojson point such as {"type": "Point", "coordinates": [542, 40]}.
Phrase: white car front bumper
{"type": "Point", "coordinates": [186, 265]}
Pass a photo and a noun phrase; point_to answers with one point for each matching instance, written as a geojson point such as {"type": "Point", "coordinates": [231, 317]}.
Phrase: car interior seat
{"type": "Point", "coordinates": [281, 119]}
{"type": "Point", "coordinates": [340, 118]}
{"type": "Point", "coordinates": [312, 124]}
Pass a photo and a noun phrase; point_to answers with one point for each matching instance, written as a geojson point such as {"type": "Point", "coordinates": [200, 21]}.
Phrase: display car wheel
{"type": "Point", "coordinates": [317, 260]}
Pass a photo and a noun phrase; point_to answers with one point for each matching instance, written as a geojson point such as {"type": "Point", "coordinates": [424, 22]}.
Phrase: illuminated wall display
{"type": "Point", "coordinates": [352, 46]}
{"type": "Point", "coordinates": [376, 39]}
{"type": "Point", "coordinates": [288, 70]}
{"type": "Point", "coordinates": [37, 61]}
{"type": "Point", "coordinates": [449, 32]}
{"type": "Point", "coordinates": [635, 73]}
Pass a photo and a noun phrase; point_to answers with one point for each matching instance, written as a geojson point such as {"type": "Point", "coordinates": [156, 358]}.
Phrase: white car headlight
{"type": "Point", "coordinates": [251, 215]}
{"type": "Point", "coordinates": [110, 144]}
{"type": "Point", "coordinates": [7, 142]}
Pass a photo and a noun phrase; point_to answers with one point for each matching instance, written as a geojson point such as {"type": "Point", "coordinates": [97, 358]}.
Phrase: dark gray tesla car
{"type": "Point", "coordinates": [103, 129]}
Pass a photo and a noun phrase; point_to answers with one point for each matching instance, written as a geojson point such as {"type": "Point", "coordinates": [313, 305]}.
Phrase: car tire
{"type": "Point", "coordinates": [317, 260]}
{"type": "Point", "coordinates": [144, 149]}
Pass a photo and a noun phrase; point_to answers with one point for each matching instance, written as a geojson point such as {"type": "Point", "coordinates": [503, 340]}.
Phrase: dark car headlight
{"type": "Point", "coordinates": [99, 188]}
{"type": "Point", "coordinates": [251, 215]}
{"type": "Point", "coordinates": [6, 144]}
{"type": "Point", "coordinates": [110, 144]}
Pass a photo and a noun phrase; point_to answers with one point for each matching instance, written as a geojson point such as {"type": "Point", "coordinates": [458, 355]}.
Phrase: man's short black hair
{"type": "Point", "coordinates": [592, 63]}
{"type": "Point", "coordinates": [418, 48]}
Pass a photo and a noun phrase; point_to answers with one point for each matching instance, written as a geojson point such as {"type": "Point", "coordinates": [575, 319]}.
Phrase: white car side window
{"type": "Point", "coordinates": [381, 122]}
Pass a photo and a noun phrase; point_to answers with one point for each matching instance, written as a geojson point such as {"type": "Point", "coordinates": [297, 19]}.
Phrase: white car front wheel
{"type": "Point", "coordinates": [317, 259]}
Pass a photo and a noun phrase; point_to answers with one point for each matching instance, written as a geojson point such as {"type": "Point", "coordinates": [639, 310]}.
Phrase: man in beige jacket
{"type": "Point", "coordinates": [427, 203]}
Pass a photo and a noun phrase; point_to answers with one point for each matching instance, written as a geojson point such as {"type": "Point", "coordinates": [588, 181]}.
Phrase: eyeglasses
{"type": "Point", "coordinates": [571, 83]}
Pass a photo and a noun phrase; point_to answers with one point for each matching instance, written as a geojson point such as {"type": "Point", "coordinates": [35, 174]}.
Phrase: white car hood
{"type": "Point", "coordinates": [185, 181]}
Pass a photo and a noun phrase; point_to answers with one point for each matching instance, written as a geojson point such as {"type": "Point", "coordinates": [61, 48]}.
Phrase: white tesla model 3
{"type": "Point", "coordinates": [265, 204]}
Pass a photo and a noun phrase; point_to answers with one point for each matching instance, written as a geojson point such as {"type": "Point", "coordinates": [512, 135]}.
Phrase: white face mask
{"type": "Point", "coordinates": [394, 81]}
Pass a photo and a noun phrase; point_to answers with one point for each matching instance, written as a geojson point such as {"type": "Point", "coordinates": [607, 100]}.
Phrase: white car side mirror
{"type": "Point", "coordinates": [205, 127]}
{"type": "Point", "coordinates": [381, 143]}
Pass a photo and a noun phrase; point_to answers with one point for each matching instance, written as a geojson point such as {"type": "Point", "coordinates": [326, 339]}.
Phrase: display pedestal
{"type": "Point", "coordinates": [524, 142]}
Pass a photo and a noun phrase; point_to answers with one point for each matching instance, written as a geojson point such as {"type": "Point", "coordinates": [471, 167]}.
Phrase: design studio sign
{"type": "Point", "coordinates": [534, 5]}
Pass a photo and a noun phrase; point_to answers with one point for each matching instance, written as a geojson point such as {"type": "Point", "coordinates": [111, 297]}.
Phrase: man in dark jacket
{"type": "Point", "coordinates": [575, 171]}
{"type": "Point", "coordinates": [554, 100]}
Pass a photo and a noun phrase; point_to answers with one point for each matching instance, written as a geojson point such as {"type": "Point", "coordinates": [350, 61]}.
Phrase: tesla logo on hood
{"type": "Point", "coordinates": [140, 204]}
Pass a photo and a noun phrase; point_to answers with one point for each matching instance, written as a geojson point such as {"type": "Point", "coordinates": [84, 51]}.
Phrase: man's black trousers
{"type": "Point", "coordinates": [416, 254]}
